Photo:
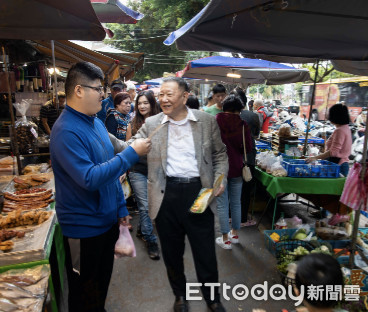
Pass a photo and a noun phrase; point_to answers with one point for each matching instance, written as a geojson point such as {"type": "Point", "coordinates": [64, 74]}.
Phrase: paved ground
{"type": "Point", "coordinates": [140, 284]}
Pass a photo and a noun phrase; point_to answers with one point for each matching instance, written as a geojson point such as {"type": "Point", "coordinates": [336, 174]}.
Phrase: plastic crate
{"type": "Point", "coordinates": [263, 145]}
{"type": "Point", "coordinates": [298, 168]}
{"type": "Point", "coordinates": [312, 140]}
{"type": "Point", "coordinates": [270, 243]}
{"type": "Point", "coordinates": [284, 156]}
{"type": "Point", "coordinates": [289, 245]}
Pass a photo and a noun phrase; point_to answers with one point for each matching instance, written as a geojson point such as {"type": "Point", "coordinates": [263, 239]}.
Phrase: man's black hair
{"type": "Point", "coordinates": [81, 73]}
{"type": "Point", "coordinates": [232, 103]}
{"type": "Point", "coordinates": [339, 114]}
{"type": "Point", "coordinates": [318, 270]}
{"type": "Point", "coordinates": [219, 88]}
{"type": "Point", "coordinates": [192, 102]}
{"type": "Point", "coordinates": [240, 93]}
{"type": "Point", "coordinates": [180, 81]}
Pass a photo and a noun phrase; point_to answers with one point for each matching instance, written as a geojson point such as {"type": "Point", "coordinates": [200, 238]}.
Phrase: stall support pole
{"type": "Point", "coordinates": [13, 134]}
{"type": "Point", "coordinates": [55, 78]}
{"type": "Point", "coordinates": [357, 213]}
{"type": "Point", "coordinates": [310, 109]}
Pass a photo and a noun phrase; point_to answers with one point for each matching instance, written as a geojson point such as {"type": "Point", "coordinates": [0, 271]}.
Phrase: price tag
{"type": "Point", "coordinates": [34, 132]}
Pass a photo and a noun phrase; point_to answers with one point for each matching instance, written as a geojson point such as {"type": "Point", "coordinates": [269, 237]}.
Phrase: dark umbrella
{"type": "Point", "coordinates": [319, 29]}
{"type": "Point", "coordinates": [49, 19]}
{"type": "Point", "coordinates": [114, 11]}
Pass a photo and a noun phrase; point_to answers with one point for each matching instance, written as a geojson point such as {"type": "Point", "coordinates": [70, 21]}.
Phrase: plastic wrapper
{"type": "Point", "coordinates": [205, 197]}
{"type": "Point", "coordinates": [24, 289]}
{"type": "Point", "coordinates": [270, 161]}
{"type": "Point", "coordinates": [277, 170]}
{"type": "Point", "coordinates": [126, 188]}
{"type": "Point", "coordinates": [33, 246]}
{"type": "Point", "coordinates": [124, 246]}
{"type": "Point", "coordinates": [285, 130]}
{"type": "Point", "coordinates": [26, 131]}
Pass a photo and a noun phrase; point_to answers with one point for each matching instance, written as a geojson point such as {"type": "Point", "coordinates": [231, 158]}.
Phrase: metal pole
{"type": "Point", "coordinates": [13, 133]}
{"type": "Point", "coordinates": [310, 109]}
{"type": "Point", "coordinates": [55, 79]}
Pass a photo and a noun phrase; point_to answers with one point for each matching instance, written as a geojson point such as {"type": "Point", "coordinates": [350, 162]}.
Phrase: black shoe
{"type": "Point", "coordinates": [216, 307]}
{"type": "Point", "coordinates": [181, 304]}
{"type": "Point", "coordinates": [153, 251]}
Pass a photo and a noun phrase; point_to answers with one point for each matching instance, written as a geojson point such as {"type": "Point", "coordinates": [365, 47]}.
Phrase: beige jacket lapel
{"type": "Point", "coordinates": [197, 138]}
{"type": "Point", "coordinates": [164, 135]}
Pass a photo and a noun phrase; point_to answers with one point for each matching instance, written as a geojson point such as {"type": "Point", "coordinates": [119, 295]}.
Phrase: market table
{"type": "Point", "coordinates": [277, 186]}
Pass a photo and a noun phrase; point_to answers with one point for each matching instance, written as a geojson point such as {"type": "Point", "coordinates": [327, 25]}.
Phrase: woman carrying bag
{"type": "Point", "coordinates": [232, 128]}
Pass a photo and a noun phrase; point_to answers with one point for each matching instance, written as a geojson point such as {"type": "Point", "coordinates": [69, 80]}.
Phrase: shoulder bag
{"type": "Point", "coordinates": [247, 175]}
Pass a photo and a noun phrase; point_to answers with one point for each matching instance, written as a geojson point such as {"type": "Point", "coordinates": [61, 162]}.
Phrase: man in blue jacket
{"type": "Point", "coordinates": [116, 87]}
{"type": "Point", "coordinates": [89, 199]}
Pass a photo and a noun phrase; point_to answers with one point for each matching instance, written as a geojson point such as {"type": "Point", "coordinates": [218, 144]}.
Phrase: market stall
{"type": "Point", "coordinates": [279, 186]}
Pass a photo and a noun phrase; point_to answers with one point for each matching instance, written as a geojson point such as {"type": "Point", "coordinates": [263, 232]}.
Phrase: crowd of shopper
{"type": "Point", "coordinates": [171, 148]}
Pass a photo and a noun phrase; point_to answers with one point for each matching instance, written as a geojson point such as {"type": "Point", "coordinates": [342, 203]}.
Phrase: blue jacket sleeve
{"type": "Point", "coordinates": [74, 157]}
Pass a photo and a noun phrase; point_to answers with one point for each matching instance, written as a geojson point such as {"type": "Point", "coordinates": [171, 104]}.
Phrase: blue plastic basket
{"type": "Point", "coordinates": [298, 168]}
{"type": "Point", "coordinates": [312, 140]}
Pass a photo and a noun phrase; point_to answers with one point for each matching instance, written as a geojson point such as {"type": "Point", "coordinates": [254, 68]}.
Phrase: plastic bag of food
{"type": "Point", "coordinates": [124, 246]}
{"type": "Point", "coordinates": [205, 197]}
{"type": "Point", "coordinates": [285, 130]}
{"type": "Point", "coordinates": [277, 170]}
{"type": "Point", "coordinates": [26, 131]}
{"type": "Point", "coordinates": [271, 159]}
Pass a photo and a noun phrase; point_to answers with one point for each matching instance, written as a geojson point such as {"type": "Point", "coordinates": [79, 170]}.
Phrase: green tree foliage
{"type": "Point", "coordinates": [267, 92]}
{"type": "Point", "coordinates": [147, 36]}
{"type": "Point", "coordinates": [326, 71]}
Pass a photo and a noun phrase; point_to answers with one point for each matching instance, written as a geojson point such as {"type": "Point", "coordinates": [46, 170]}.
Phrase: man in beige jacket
{"type": "Point", "coordinates": [187, 154]}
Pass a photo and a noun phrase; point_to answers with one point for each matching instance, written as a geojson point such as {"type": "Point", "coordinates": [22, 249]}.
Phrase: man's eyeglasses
{"type": "Point", "coordinates": [97, 89]}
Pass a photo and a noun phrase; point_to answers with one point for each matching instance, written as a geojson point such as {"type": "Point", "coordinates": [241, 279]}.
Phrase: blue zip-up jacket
{"type": "Point", "coordinates": [105, 105]}
{"type": "Point", "coordinates": [89, 197]}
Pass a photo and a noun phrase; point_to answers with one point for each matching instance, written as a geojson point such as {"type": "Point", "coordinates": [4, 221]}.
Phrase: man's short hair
{"type": "Point", "coordinates": [180, 81]}
{"type": "Point", "coordinates": [130, 86]}
{"type": "Point", "coordinates": [117, 83]}
{"type": "Point", "coordinates": [81, 73]}
{"type": "Point", "coordinates": [61, 94]}
{"type": "Point", "coordinates": [257, 103]}
{"type": "Point", "coordinates": [219, 88]}
{"type": "Point", "coordinates": [192, 102]}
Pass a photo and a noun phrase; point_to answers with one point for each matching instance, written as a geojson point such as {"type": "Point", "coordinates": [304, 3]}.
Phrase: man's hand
{"type": "Point", "coordinates": [125, 220]}
{"type": "Point", "coordinates": [141, 146]}
{"type": "Point", "coordinates": [311, 159]}
{"type": "Point", "coordinates": [220, 190]}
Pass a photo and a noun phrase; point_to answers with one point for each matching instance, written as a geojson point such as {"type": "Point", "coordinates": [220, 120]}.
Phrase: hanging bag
{"type": "Point", "coordinates": [246, 173]}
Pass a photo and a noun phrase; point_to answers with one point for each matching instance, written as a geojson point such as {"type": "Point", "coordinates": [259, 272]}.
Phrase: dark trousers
{"type": "Point", "coordinates": [247, 189]}
{"type": "Point", "coordinates": [173, 222]}
{"type": "Point", "coordinates": [93, 257]}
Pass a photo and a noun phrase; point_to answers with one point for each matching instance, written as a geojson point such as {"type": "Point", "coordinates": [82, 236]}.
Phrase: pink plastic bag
{"type": "Point", "coordinates": [354, 193]}
{"type": "Point", "coordinates": [124, 246]}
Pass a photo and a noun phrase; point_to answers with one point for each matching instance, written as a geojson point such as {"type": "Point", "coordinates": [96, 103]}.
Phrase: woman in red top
{"type": "Point", "coordinates": [231, 128]}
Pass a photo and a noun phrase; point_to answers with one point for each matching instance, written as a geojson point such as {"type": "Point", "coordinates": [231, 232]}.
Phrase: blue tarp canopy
{"type": "Point", "coordinates": [154, 82]}
{"type": "Point", "coordinates": [243, 70]}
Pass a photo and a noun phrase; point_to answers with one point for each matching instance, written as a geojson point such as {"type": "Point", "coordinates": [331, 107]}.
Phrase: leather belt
{"type": "Point", "coordinates": [183, 180]}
